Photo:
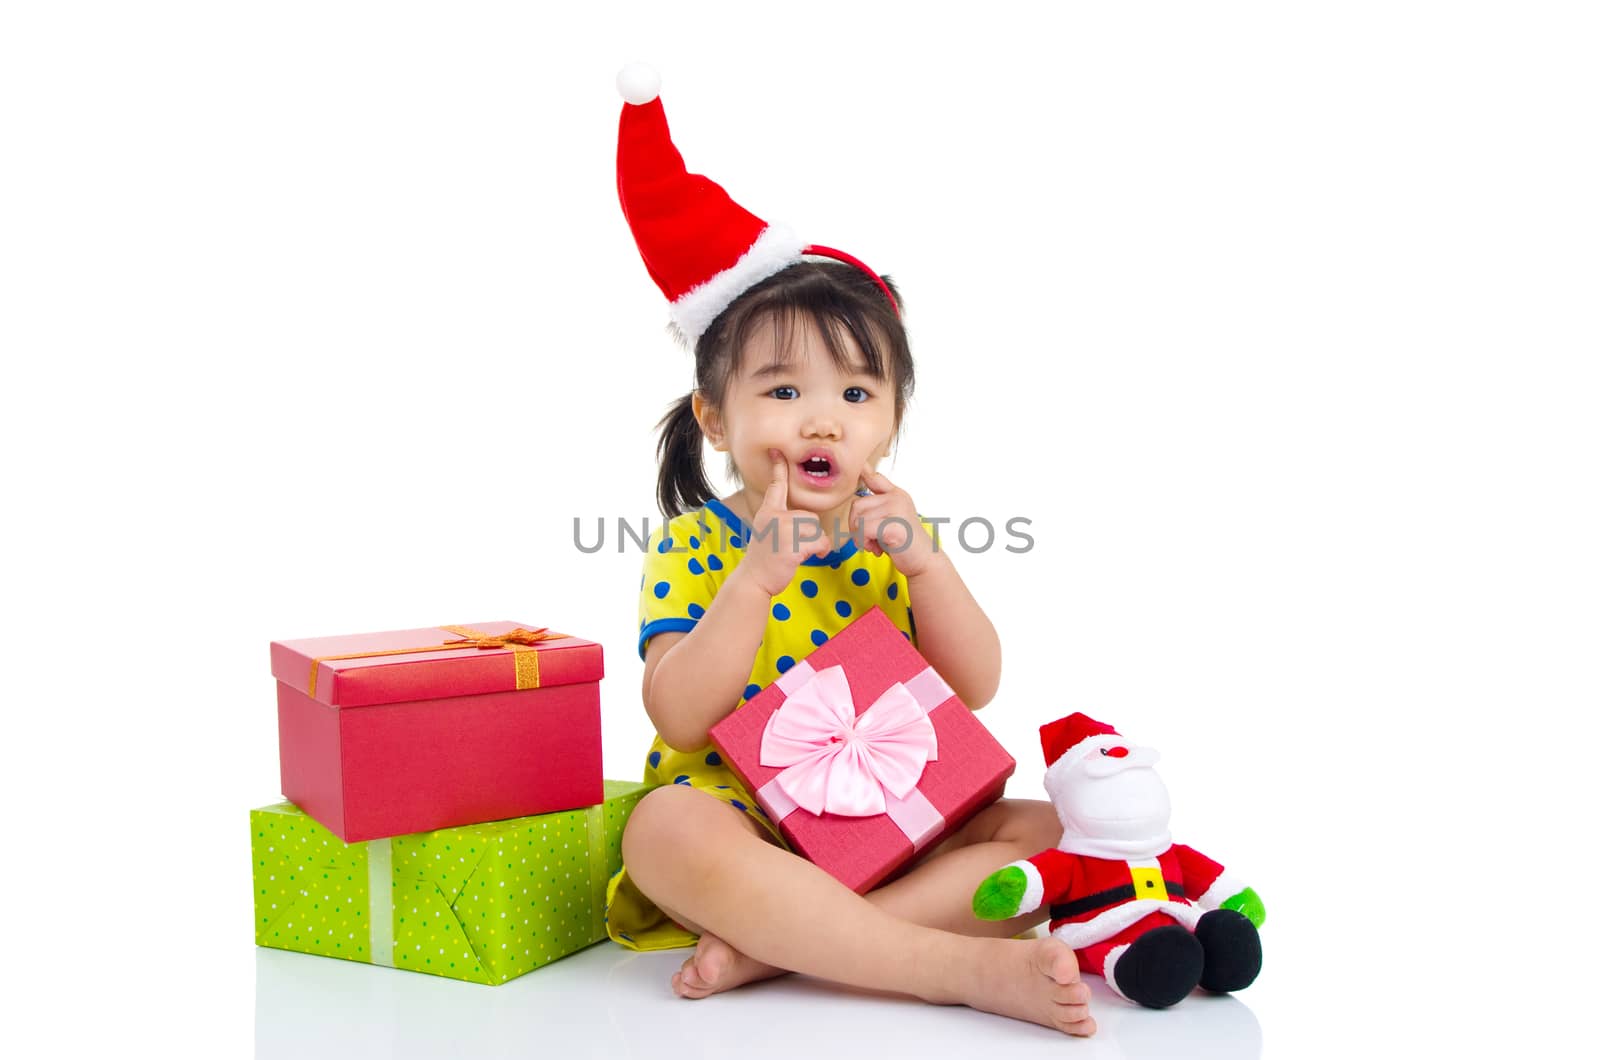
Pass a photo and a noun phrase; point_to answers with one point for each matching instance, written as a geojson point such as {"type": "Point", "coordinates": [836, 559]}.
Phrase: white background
{"type": "Point", "coordinates": [1278, 322]}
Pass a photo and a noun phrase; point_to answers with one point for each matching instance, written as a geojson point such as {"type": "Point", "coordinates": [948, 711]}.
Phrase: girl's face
{"type": "Point", "coordinates": [830, 425]}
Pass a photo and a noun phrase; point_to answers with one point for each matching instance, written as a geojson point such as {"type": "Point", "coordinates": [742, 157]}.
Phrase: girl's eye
{"type": "Point", "coordinates": [855, 394]}
{"type": "Point", "coordinates": [784, 393]}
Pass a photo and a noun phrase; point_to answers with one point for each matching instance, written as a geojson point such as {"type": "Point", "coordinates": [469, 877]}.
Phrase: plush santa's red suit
{"type": "Point", "coordinates": [1155, 918]}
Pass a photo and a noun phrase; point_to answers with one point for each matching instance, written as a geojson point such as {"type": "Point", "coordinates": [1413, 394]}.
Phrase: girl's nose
{"type": "Point", "coordinates": [821, 427]}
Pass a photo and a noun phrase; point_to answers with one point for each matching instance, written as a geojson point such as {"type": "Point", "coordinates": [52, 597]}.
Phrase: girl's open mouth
{"type": "Point", "coordinates": [818, 470]}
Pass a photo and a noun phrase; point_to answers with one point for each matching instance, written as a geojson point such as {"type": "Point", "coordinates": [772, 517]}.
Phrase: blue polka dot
{"type": "Point", "coordinates": [735, 542]}
{"type": "Point", "coordinates": [641, 581]}
{"type": "Point", "coordinates": [714, 562]}
{"type": "Point", "coordinates": [713, 759]}
{"type": "Point", "coordinates": [860, 576]}
{"type": "Point", "coordinates": [758, 810]}
{"type": "Point", "coordinates": [681, 778]}
{"type": "Point", "coordinates": [818, 637]}
{"type": "Point", "coordinates": [695, 568]}
{"type": "Point", "coordinates": [736, 804]}
{"type": "Point", "coordinates": [655, 759]}
{"type": "Point", "coordinates": [835, 564]}
{"type": "Point", "coordinates": [904, 634]}
{"type": "Point", "coordinates": [694, 542]}
{"type": "Point", "coordinates": [662, 589]}
{"type": "Point", "coordinates": [665, 546]}
{"type": "Point", "coordinates": [704, 529]}
{"type": "Point", "coordinates": [808, 587]}
{"type": "Point", "coordinates": [750, 691]}
{"type": "Point", "coordinates": [696, 611]}
{"type": "Point", "coordinates": [780, 612]}
{"type": "Point", "coordinates": [894, 590]}
{"type": "Point", "coordinates": [843, 609]}
{"type": "Point", "coordinates": [784, 662]}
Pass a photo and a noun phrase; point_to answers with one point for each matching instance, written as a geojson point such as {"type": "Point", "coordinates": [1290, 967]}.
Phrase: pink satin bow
{"type": "Point", "coordinates": [843, 763]}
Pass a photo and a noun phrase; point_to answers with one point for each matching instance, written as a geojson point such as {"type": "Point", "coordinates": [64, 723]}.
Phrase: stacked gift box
{"type": "Point", "coordinates": [446, 811]}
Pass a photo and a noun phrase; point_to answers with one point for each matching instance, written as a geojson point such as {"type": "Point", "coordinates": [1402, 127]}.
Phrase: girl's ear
{"type": "Point", "coordinates": [705, 414]}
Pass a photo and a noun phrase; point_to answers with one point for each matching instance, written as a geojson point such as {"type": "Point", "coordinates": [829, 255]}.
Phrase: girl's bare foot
{"type": "Point", "coordinates": [717, 966]}
{"type": "Point", "coordinates": [1034, 979]}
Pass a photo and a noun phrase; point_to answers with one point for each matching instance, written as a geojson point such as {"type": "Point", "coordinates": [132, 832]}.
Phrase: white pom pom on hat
{"type": "Point", "coordinates": [639, 83]}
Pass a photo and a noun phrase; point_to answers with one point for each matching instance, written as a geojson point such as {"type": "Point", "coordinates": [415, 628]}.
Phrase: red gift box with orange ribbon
{"type": "Point", "coordinates": [385, 734]}
{"type": "Point", "coordinates": [862, 754]}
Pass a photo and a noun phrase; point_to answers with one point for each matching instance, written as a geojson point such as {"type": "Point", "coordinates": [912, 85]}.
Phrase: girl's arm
{"type": "Point", "coordinates": [692, 680]}
{"type": "Point", "coordinates": [953, 633]}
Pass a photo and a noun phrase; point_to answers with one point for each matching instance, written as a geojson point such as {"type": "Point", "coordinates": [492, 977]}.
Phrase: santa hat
{"type": "Point", "coordinates": [1067, 741]}
{"type": "Point", "coordinates": [702, 249]}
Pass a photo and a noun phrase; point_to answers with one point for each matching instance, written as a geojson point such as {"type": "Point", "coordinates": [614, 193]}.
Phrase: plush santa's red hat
{"type": "Point", "coordinates": [702, 249]}
{"type": "Point", "coordinates": [1068, 740]}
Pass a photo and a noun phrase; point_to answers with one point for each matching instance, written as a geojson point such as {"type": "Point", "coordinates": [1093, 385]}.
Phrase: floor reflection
{"type": "Point", "coordinates": [607, 1002]}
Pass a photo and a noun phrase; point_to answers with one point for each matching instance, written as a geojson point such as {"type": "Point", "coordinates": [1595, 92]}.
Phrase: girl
{"type": "Point", "coordinates": [802, 372]}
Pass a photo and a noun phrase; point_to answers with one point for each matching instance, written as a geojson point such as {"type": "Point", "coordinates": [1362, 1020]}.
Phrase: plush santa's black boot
{"type": "Point", "coordinates": [1160, 967]}
{"type": "Point", "coordinates": [1232, 948]}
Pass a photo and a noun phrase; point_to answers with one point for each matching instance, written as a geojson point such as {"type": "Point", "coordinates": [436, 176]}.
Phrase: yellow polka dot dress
{"type": "Point", "coordinates": [686, 563]}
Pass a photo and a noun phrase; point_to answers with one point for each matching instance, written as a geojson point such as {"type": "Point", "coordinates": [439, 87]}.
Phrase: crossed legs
{"type": "Point", "coordinates": [761, 910]}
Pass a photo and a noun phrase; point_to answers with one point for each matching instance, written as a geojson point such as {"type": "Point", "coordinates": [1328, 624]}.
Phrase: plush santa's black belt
{"type": "Point", "coordinates": [1115, 896]}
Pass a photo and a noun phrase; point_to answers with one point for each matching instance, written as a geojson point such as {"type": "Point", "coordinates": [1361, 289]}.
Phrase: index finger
{"type": "Point", "coordinates": [876, 481]}
{"type": "Point", "coordinates": [777, 497]}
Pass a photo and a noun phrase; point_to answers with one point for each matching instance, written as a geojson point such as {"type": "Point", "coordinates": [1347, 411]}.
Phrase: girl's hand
{"type": "Point", "coordinates": [779, 538]}
{"type": "Point", "coordinates": [887, 521]}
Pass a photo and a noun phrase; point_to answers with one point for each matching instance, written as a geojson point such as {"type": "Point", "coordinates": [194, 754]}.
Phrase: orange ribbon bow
{"type": "Point", "coordinates": [520, 641]}
{"type": "Point", "coordinates": [473, 638]}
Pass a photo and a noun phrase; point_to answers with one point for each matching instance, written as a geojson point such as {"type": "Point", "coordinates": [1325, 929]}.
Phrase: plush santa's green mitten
{"type": "Point", "coordinates": [999, 897]}
{"type": "Point", "coordinates": [1249, 903]}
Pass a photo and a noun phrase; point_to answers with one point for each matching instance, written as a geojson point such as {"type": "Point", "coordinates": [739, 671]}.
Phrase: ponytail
{"type": "Point", "coordinates": [681, 485]}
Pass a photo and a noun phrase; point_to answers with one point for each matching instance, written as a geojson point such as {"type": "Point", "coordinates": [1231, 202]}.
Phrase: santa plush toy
{"type": "Point", "coordinates": [1155, 918]}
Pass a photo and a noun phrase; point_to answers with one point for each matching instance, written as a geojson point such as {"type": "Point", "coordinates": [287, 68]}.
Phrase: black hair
{"type": "Point", "coordinates": [839, 299]}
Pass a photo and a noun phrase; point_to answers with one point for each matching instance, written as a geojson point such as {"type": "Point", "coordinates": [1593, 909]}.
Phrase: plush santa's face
{"type": "Point", "coordinates": [1112, 792]}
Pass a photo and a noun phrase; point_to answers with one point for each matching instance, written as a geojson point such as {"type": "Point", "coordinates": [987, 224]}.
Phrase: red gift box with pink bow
{"type": "Point", "coordinates": [863, 755]}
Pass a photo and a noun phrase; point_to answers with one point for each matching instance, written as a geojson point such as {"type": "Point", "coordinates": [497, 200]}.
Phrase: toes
{"type": "Point", "coordinates": [686, 983]}
{"type": "Point", "coordinates": [1056, 961]}
{"type": "Point", "coordinates": [1067, 1015]}
{"type": "Point", "coordinates": [1074, 1019]}
{"type": "Point", "coordinates": [711, 964]}
{"type": "Point", "coordinates": [686, 990]}
{"type": "Point", "coordinates": [703, 972]}
{"type": "Point", "coordinates": [1084, 1028]}
{"type": "Point", "coordinates": [1074, 993]}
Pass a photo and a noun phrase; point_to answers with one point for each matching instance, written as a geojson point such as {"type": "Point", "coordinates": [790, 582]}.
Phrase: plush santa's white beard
{"type": "Point", "coordinates": [1124, 815]}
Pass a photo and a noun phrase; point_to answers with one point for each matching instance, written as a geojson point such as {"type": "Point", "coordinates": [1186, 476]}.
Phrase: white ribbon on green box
{"type": "Point", "coordinates": [380, 901]}
{"type": "Point", "coordinates": [599, 870]}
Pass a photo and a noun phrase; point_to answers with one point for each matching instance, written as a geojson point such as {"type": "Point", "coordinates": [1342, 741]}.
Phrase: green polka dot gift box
{"type": "Point", "coordinates": [484, 903]}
